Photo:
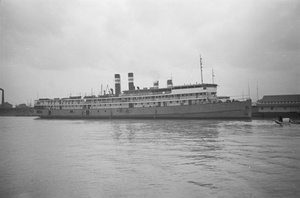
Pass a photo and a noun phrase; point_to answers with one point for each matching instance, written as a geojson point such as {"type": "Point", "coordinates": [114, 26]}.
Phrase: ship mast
{"type": "Point", "coordinates": [201, 69]}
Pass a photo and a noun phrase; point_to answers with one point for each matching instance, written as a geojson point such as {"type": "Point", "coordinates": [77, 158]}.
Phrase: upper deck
{"type": "Point", "coordinates": [180, 94]}
{"type": "Point", "coordinates": [192, 88]}
{"type": "Point", "coordinates": [140, 97]}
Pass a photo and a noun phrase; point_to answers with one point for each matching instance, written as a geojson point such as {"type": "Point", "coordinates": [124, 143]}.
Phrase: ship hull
{"type": "Point", "coordinates": [227, 110]}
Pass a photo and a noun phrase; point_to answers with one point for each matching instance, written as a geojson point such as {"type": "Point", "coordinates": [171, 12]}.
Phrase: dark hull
{"type": "Point", "coordinates": [228, 110]}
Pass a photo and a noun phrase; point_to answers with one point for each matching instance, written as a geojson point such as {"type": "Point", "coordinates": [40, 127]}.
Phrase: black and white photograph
{"type": "Point", "coordinates": [149, 98]}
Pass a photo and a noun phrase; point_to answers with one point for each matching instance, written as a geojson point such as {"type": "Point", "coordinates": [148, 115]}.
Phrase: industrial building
{"type": "Point", "coordinates": [275, 105]}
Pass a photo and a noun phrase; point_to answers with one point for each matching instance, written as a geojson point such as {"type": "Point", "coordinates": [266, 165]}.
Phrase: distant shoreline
{"type": "Point", "coordinates": [17, 112]}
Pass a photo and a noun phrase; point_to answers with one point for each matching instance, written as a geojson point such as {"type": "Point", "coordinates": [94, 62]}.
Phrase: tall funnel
{"type": "Point", "coordinates": [117, 84]}
{"type": "Point", "coordinates": [156, 85]}
{"type": "Point", "coordinates": [130, 82]}
{"type": "Point", "coordinates": [169, 83]}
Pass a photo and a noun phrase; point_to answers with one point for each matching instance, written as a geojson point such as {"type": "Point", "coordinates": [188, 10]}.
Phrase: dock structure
{"type": "Point", "coordinates": [274, 105]}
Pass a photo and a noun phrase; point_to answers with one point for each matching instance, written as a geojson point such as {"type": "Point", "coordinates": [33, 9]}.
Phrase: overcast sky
{"type": "Point", "coordinates": [60, 48]}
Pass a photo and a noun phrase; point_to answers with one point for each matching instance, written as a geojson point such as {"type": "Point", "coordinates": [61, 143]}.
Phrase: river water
{"type": "Point", "coordinates": [148, 158]}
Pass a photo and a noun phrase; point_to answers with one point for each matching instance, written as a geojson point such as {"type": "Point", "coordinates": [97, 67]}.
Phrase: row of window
{"type": "Point", "coordinates": [112, 101]}
{"type": "Point", "coordinates": [124, 99]}
{"type": "Point", "coordinates": [59, 102]}
{"type": "Point", "coordinates": [271, 108]}
{"type": "Point", "coordinates": [282, 102]}
{"type": "Point", "coordinates": [142, 104]}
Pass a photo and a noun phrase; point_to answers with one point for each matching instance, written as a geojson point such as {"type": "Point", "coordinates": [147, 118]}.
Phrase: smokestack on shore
{"type": "Point", "coordinates": [2, 95]}
{"type": "Point", "coordinates": [130, 82]}
{"type": "Point", "coordinates": [117, 84]}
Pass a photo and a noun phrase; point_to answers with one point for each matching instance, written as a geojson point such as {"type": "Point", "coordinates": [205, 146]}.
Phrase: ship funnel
{"type": "Point", "coordinates": [156, 85]}
{"type": "Point", "coordinates": [169, 83]}
{"type": "Point", "coordinates": [2, 95]}
{"type": "Point", "coordinates": [117, 84]}
{"type": "Point", "coordinates": [130, 82]}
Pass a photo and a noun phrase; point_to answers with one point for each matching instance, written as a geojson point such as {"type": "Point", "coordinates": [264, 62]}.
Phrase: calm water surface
{"type": "Point", "coordinates": [148, 158]}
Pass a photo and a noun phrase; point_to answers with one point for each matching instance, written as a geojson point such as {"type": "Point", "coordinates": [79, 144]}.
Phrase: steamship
{"type": "Point", "coordinates": [194, 101]}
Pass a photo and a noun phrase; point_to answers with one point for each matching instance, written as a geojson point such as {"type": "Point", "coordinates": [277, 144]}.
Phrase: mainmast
{"type": "Point", "coordinates": [201, 69]}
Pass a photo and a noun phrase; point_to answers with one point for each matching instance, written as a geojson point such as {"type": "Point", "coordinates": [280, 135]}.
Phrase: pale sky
{"type": "Point", "coordinates": [58, 48]}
